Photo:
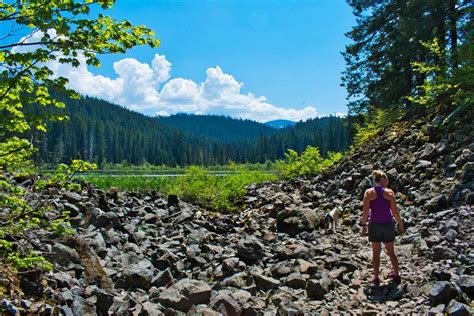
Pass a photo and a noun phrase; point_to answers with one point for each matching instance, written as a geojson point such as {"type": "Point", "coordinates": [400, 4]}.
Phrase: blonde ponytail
{"type": "Point", "coordinates": [378, 175]}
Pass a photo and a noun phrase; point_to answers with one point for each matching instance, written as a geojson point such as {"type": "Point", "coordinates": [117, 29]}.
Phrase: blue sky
{"type": "Point", "coordinates": [260, 59]}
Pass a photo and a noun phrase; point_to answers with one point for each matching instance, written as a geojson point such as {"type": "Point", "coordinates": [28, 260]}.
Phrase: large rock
{"type": "Point", "coordinates": [250, 248]}
{"type": "Point", "coordinates": [225, 304]}
{"type": "Point", "coordinates": [318, 288]}
{"type": "Point", "coordinates": [185, 293]}
{"type": "Point", "coordinates": [422, 164]}
{"type": "Point", "coordinates": [429, 151]}
{"type": "Point", "coordinates": [81, 306]}
{"type": "Point", "coordinates": [436, 204]}
{"type": "Point", "coordinates": [266, 283]}
{"type": "Point", "coordinates": [296, 220]}
{"type": "Point", "coordinates": [163, 278]}
{"type": "Point", "coordinates": [139, 275]}
{"type": "Point", "coordinates": [441, 292]}
{"type": "Point", "coordinates": [441, 252]}
{"type": "Point", "coordinates": [201, 311]}
{"type": "Point", "coordinates": [364, 184]}
{"type": "Point", "coordinates": [63, 279]}
{"type": "Point", "coordinates": [466, 283]}
{"type": "Point", "coordinates": [72, 209]}
{"type": "Point", "coordinates": [441, 275]}
{"type": "Point", "coordinates": [121, 306]}
{"type": "Point", "coordinates": [104, 301]}
{"type": "Point", "coordinates": [99, 218]}
{"type": "Point", "coordinates": [437, 310]}
{"type": "Point", "coordinates": [458, 309]}
{"type": "Point", "coordinates": [72, 197]}
{"type": "Point", "coordinates": [468, 171]}
{"type": "Point", "coordinates": [238, 280]}
{"type": "Point", "coordinates": [451, 235]}
{"type": "Point", "coordinates": [63, 255]}
{"type": "Point", "coordinates": [149, 309]}
{"type": "Point", "coordinates": [296, 281]}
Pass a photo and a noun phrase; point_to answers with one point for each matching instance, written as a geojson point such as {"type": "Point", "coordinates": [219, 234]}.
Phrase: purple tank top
{"type": "Point", "coordinates": [380, 208]}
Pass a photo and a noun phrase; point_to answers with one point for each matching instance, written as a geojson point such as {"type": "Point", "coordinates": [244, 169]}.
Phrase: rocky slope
{"type": "Point", "coordinates": [140, 254]}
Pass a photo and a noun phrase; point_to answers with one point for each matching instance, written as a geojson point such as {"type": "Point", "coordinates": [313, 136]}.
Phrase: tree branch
{"type": "Point", "coordinates": [14, 15]}
{"type": "Point", "coordinates": [15, 79]}
{"type": "Point", "coordinates": [26, 44]}
{"type": "Point", "coordinates": [15, 150]}
{"type": "Point", "coordinates": [43, 202]}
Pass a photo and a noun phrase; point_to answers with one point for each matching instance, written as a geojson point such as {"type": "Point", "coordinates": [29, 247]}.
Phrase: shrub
{"type": "Point", "coordinates": [309, 162]}
{"type": "Point", "coordinates": [375, 123]}
{"type": "Point", "coordinates": [23, 216]}
{"type": "Point", "coordinates": [218, 193]}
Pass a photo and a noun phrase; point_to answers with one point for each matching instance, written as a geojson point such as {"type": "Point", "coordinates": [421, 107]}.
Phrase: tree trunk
{"type": "Point", "coordinates": [453, 35]}
{"type": "Point", "coordinates": [441, 35]}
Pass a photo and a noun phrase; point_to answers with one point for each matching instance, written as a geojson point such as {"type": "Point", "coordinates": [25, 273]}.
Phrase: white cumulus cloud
{"type": "Point", "coordinates": [147, 87]}
{"type": "Point", "coordinates": [220, 93]}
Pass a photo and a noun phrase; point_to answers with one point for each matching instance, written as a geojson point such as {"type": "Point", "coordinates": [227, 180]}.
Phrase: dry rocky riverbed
{"type": "Point", "coordinates": [141, 254]}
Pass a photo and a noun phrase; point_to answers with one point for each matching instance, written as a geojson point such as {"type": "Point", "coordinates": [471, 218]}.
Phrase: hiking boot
{"type": "Point", "coordinates": [375, 281]}
{"type": "Point", "coordinates": [395, 277]}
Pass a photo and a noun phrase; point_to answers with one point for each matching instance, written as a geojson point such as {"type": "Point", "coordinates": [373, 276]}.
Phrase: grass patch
{"type": "Point", "coordinates": [219, 193]}
{"type": "Point", "coordinates": [217, 189]}
{"type": "Point", "coordinates": [197, 185]}
{"type": "Point", "coordinates": [130, 183]}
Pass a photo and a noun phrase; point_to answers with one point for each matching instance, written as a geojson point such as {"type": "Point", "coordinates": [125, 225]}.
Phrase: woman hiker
{"type": "Point", "coordinates": [383, 208]}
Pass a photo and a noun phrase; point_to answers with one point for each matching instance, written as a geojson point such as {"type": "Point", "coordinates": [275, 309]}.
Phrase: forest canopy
{"type": "Point", "coordinates": [402, 51]}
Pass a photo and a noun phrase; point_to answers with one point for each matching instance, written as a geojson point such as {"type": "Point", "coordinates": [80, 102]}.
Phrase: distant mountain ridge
{"type": "Point", "coordinates": [217, 127]}
{"type": "Point", "coordinates": [280, 123]}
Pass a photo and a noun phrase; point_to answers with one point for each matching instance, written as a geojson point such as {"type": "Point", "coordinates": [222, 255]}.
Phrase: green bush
{"type": "Point", "coordinates": [198, 185]}
{"type": "Point", "coordinates": [23, 216]}
{"type": "Point", "coordinates": [309, 161]}
{"type": "Point", "coordinates": [219, 193]}
{"type": "Point", "coordinates": [375, 123]}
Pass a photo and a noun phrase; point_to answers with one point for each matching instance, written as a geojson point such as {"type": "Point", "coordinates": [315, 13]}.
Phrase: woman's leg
{"type": "Point", "coordinates": [376, 247]}
{"type": "Point", "coordinates": [389, 247]}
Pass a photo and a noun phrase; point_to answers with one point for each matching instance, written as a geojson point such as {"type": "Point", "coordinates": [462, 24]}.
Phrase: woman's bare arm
{"type": "Point", "coordinates": [366, 208]}
{"type": "Point", "coordinates": [395, 212]}
{"type": "Point", "coordinates": [365, 215]}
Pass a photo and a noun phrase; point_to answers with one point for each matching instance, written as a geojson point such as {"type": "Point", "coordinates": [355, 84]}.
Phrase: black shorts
{"type": "Point", "coordinates": [382, 232]}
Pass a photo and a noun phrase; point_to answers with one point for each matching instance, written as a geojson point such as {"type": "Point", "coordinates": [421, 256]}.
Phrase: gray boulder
{"type": "Point", "coordinates": [72, 209]}
{"type": "Point", "coordinates": [266, 283]}
{"type": "Point", "coordinates": [63, 255]}
{"type": "Point", "coordinates": [458, 309]}
{"type": "Point", "coordinates": [296, 281]}
{"type": "Point", "coordinates": [296, 220]}
{"type": "Point", "coordinates": [139, 275]}
{"type": "Point", "coordinates": [225, 304]}
{"type": "Point", "coordinates": [422, 164]}
{"type": "Point", "coordinates": [150, 309]}
{"type": "Point", "coordinates": [250, 248]}
{"type": "Point", "coordinates": [81, 306]}
{"type": "Point", "coordinates": [104, 301]}
{"type": "Point", "coordinates": [318, 288]}
{"type": "Point", "coordinates": [185, 293]}
{"type": "Point", "coordinates": [163, 278]}
{"type": "Point", "coordinates": [441, 292]}
{"type": "Point", "coordinates": [72, 197]}
{"type": "Point", "coordinates": [436, 204]}
{"type": "Point", "coordinates": [121, 306]}
{"type": "Point", "coordinates": [466, 283]}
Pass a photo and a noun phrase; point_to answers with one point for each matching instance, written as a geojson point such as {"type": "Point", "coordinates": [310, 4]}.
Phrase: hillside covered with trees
{"type": "Point", "coordinates": [99, 131]}
{"type": "Point", "coordinates": [217, 127]}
